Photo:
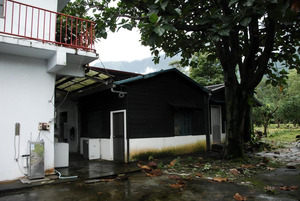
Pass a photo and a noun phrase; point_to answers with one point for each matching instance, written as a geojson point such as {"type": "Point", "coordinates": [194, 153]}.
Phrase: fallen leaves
{"type": "Point", "coordinates": [239, 197]}
{"type": "Point", "coordinates": [199, 174]}
{"type": "Point", "coordinates": [144, 167]}
{"type": "Point", "coordinates": [288, 188]}
{"type": "Point", "coordinates": [179, 184]}
{"type": "Point", "coordinates": [172, 163]}
{"type": "Point", "coordinates": [234, 171]}
{"type": "Point", "coordinates": [151, 169]}
{"type": "Point", "coordinates": [154, 173]}
{"type": "Point", "coordinates": [247, 166]}
{"type": "Point", "coordinates": [173, 177]}
{"type": "Point", "coordinates": [220, 179]}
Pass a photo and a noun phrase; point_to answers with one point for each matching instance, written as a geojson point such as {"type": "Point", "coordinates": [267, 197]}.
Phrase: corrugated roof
{"type": "Point", "coordinates": [93, 77]}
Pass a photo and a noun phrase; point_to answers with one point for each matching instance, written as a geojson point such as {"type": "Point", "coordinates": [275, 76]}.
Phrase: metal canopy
{"type": "Point", "coordinates": [94, 77]}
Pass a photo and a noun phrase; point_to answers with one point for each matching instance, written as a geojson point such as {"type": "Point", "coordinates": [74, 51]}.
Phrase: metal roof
{"type": "Point", "coordinates": [150, 75]}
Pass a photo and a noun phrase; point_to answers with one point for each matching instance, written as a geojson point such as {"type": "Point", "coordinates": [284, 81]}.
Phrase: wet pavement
{"type": "Point", "coordinates": [105, 180]}
{"type": "Point", "coordinates": [137, 186]}
{"type": "Point", "coordinates": [78, 170]}
{"type": "Point", "coordinates": [289, 154]}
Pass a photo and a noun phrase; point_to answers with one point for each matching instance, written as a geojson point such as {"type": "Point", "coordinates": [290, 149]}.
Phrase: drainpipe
{"type": "Point", "coordinates": [121, 93]}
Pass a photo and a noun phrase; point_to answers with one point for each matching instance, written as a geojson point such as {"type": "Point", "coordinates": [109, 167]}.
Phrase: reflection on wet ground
{"type": "Point", "coordinates": [140, 187]}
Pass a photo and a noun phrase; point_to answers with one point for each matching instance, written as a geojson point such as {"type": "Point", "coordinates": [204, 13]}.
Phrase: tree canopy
{"type": "Point", "coordinates": [205, 71]}
{"type": "Point", "coordinates": [247, 36]}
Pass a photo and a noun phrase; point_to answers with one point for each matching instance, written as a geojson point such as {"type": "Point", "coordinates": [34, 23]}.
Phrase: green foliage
{"type": "Point", "coordinates": [206, 70]}
{"type": "Point", "coordinates": [206, 167]}
{"type": "Point", "coordinates": [287, 101]}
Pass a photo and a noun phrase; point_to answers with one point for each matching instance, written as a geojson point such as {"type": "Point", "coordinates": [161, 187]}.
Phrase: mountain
{"type": "Point", "coordinates": [139, 66]}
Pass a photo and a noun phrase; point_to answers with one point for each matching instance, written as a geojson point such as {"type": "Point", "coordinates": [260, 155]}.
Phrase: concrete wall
{"type": "Point", "coordinates": [177, 145]}
{"type": "Point", "coordinates": [27, 97]}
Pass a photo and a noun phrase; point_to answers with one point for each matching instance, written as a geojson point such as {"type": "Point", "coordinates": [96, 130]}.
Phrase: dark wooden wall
{"type": "Point", "coordinates": [95, 113]}
{"type": "Point", "coordinates": [152, 103]}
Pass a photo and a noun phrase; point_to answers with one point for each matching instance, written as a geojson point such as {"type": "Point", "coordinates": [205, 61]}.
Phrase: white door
{"type": "Point", "coordinates": [216, 123]}
{"type": "Point", "coordinates": [118, 135]}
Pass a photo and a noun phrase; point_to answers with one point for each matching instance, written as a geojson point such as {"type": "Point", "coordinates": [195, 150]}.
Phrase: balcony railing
{"type": "Point", "coordinates": [26, 21]}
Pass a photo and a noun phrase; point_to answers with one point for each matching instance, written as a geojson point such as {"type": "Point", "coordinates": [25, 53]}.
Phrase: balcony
{"type": "Point", "coordinates": [33, 23]}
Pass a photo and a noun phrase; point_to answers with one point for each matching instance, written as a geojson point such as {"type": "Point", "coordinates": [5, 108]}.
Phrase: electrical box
{"type": "Point", "coordinates": [44, 126]}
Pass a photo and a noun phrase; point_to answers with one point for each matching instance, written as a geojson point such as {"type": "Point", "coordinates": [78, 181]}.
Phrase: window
{"type": "Point", "coordinates": [183, 122]}
{"type": "Point", "coordinates": [1, 8]}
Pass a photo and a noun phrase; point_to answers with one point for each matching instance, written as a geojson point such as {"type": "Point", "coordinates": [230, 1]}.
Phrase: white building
{"type": "Point", "coordinates": [36, 44]}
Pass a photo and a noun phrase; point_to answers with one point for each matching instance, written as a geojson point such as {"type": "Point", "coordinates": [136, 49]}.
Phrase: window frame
{"type": "Point", "coordinates": [183, 122]}
{"type": "Point", "coordinates": [2, 4]}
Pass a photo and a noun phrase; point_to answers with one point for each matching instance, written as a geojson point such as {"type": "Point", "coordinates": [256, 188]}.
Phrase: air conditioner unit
{"type": "Point", "coordinates": [91, 149]}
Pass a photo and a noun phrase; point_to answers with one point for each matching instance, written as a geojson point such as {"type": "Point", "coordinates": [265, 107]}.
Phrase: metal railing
{"type": "Point", "coordinates": [26, 21]}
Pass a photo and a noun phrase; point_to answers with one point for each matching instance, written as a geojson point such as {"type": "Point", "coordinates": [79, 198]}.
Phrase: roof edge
{"type": "Point", "coordinates": [150, 75]}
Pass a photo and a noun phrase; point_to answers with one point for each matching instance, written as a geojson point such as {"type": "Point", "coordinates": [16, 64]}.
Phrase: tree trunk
{"type": "Point", "coordinates": [236, 105]}
{"type": "Point", "coordinates": [248, 124]}
{"type": "Point", "coordinates": [265, 129]}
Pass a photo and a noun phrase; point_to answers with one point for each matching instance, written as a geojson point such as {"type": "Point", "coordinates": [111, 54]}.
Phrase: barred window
{"type": "Point", "coordinates": [183, 122]}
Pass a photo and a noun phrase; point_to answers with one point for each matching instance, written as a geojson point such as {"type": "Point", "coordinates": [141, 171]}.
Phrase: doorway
{"type": "Point", "coordinates": [216, 123]}
{"type": "Point", "coordinates": [118, 135]}
{"type": "Point", "coordinates": [63, 120]}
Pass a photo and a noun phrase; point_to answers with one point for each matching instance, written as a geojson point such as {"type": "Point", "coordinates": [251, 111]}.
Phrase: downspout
{"type": "Point", "coordinates": [121, 93]}
{"type": "Point", "coordinates": [127, 136]}
{"type": "Point", "coordinates": [209, 123]}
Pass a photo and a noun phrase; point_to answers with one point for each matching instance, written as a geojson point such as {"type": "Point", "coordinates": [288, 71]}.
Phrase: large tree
{"type": "Point", "coordinates": [247, 37]}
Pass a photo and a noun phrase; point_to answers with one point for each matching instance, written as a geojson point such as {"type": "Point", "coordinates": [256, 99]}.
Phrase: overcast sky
{"type": "Point", "coordinates": [123, 45]}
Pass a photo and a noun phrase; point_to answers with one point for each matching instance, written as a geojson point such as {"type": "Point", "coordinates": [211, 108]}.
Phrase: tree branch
{"type": "Point", "coordinates": [185, 27]}
{"type": "Point", "coordinates": [265, 56]}
{"type": "Point", "coordinates": [249, 63]}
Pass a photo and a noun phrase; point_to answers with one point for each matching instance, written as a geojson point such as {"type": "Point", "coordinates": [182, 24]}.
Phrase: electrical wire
{"type": "Point", "coordinates": [17, 152]}
{"type": "Point", "coordinates": [111, 76]}
{"type": "Point", "coordinates": [47, 138]}
{"type": "Point", "coordinates": [64, 99]}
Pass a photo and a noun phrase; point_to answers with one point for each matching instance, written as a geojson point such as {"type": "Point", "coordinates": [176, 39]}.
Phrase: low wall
{"type": "Point", "coordinates": [175, 145]}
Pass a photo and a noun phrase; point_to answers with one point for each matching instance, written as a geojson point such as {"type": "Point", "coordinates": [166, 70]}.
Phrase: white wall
{"type": "Point", "coordinates": [27, 98]}
{"type": "Point", "coordinates": [143, 145]}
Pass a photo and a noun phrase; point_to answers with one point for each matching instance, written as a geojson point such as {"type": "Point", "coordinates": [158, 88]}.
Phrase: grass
{"type": "Point", "coordinates": [285, 133]}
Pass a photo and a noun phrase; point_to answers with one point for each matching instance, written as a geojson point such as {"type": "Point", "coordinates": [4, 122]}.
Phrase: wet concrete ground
{"type": "Point", "coordinates": [137, 186]}
{"type": "Point", "coordinates": [140, 187]}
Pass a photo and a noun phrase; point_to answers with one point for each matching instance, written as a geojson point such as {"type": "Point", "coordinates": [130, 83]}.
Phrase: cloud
{"type": "Point", "coordinates": [149, 69]}
{"type": "Point", "coordinates": [123, 45]}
